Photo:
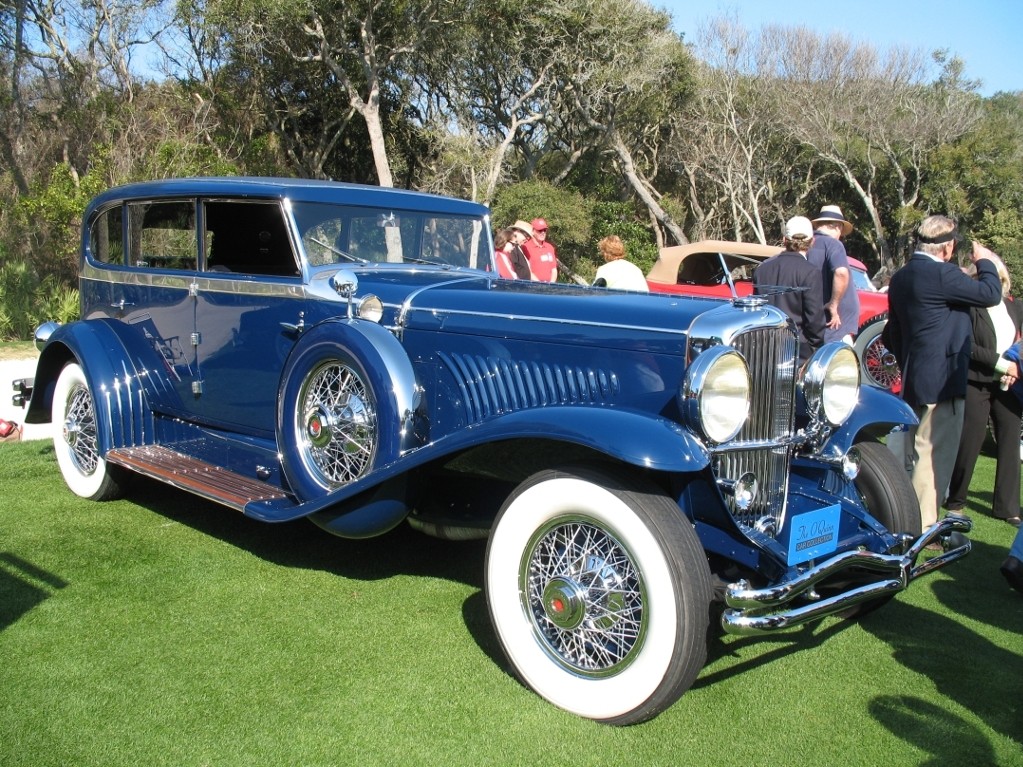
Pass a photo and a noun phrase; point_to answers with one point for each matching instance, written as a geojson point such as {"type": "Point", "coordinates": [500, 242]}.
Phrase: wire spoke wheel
{"type": "Point", "coordinates": [598, 590]}
{"type": "Point", "coordinates": [877, 362]}
{"type": "Point", "coordinates": [585, 597]}
{"type": "Point", "coordinates": [881, 366]}
{"type": "Point", "coordinates": [338, 424]}
{"type": "Point", "coordinates": [76, 444]}
{"type": "Point", "coordinates": [79, 429]}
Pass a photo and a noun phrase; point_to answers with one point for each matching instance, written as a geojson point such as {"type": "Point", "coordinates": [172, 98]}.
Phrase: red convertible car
{"type": "Point", "coordinates": [720, 268]}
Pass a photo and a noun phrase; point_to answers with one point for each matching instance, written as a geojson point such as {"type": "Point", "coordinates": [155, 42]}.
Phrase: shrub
{"type": "Point", "coordinates": [568, 214]}
{"type": "Point", "coordinates": [25, 302]}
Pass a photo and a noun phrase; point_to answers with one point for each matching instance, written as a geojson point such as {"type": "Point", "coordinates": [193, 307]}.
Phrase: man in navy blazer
{"type": "Point", "coordinates": [929, 332]}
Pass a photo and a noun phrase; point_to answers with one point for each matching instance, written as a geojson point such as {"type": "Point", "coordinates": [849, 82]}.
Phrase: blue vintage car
{"type": "Point", "coordinates": [297, 349]}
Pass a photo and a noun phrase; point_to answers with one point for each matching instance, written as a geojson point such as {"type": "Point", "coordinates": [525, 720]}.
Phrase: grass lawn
{"type": "Point", "coordinates": [165, 630]}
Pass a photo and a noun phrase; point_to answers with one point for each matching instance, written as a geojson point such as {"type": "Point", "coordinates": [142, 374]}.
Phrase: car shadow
{"type": "Point", "coordinates": [927, 726]}
{"type": "Point", "coordinates": [299, 543]}
{"type": "Point", "coordinates": [727, 647]}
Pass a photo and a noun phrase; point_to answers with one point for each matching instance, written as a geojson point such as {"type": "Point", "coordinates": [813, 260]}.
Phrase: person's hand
{"type": "Point", "coordinates": [834, 321]}
{"type": "Point", "coordinates": [980, 253]}
{"type": "Point", "coordinates": [1012, 371]}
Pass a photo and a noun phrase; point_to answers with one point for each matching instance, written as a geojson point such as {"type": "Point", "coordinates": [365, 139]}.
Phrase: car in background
{"type": "Point", "coordinates": [721, 268]}
{"type": "Point", "coordinates": [293, 349]}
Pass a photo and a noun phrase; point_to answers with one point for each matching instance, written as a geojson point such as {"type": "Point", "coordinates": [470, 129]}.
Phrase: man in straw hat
{"type": "Point", "coordinates": [521, 231]}
{"type": "Point", "coordinates": [841, 302]}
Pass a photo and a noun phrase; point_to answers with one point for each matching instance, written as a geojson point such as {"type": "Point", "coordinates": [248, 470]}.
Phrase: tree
{"type": "Point", "coordinates": [315, 48]}
{"type": "Point", "coordinates": [744, 177]}
{"type": "Point", "coordinates": [876, 119]}
{"type": "Point", "coordinates": [629, 73]}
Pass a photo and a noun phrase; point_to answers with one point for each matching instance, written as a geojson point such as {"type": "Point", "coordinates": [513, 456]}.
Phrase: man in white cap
{"type": "Point", "coordinates": [791, 283]}
{"type": "Point", "coordinates": [841, 302]}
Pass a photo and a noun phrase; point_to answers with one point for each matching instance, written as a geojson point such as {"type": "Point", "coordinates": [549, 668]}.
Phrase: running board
{"type": "Point", "coordinates": [199, 477]}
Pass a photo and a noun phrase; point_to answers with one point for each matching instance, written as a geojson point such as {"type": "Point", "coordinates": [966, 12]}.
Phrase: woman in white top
{"type": "Point", "coordinates": [616, 272]}
{"type": "Point", "coordinates": [995, 329]}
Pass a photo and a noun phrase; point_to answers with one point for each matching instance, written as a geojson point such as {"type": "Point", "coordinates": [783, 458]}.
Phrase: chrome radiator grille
{"type": "Point", "coordinates": [762, 446]}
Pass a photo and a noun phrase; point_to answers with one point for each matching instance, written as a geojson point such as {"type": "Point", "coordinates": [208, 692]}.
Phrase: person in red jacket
{"type": "Point", "coordinates": [543, 257]}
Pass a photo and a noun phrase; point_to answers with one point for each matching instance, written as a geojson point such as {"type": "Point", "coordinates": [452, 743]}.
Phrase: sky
{"type": "Point", "coordinates": [986, 34]}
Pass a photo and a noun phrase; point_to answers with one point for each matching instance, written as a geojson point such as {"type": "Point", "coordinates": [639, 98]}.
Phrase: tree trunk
{"type": "Point", "coordinates": [640, 188]}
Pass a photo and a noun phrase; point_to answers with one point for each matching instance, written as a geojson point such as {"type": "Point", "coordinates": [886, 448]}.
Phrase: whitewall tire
{"type": "Point", "coordinates": [75, 440]}
{"type": "Point", "coordinates": [599, 593]}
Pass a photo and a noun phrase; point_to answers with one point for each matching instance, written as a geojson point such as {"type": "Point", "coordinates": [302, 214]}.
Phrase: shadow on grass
{"type": "Point", "coordinates": [721, 646]}
{"type": "Point", "coordinates": [928, 727]}
{"type": "Point", "coordinates": [302, 544]}
{"type": "Point", "coordinates": [965, 666]}
{"type": "Point", "coordinates": [22, 587]}
{"type": "Point", "coordinates": [476, 615]}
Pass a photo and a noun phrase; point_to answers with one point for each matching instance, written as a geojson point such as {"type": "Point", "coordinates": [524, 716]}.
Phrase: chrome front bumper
{"type": "Point", "coordinates": [759, 611]}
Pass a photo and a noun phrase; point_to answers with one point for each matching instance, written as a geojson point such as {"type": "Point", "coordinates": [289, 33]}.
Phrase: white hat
{"type": "Point", "coordinates": [798, 228]}
{"type": "Point", "coordinates": [523, 227]}
{"type": "Point", "coordinates": [832, 214]}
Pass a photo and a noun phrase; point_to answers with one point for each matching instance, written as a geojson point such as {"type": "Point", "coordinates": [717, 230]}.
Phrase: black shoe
{"type": "Point", "coordinates": [1012, 569]}
{"type": "Point", "coordinates": [1014, 521]}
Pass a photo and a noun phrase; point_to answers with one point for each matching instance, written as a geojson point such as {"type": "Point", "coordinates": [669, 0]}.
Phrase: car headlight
{"type": "Point", "coordinates": [831, 383]}
{"type": "Point", "coordinates": [370, 308]}
{"type": "Point", "coordinates": [714, 397]}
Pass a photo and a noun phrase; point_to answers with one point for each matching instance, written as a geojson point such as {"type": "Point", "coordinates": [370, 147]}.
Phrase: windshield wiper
{"type": "Point", "coordinates": [337, 251]}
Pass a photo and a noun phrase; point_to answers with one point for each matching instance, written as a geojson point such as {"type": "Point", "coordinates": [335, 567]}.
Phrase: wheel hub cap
{"type": "Point", "coordinates": [564, 601]}
{"type": "Point", "coordinates": [318, 426]}
{"type": "Point", "coordinates": [71, 432]}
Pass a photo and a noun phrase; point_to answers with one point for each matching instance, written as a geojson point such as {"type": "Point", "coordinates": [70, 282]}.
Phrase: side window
{"type": "Point", "coordinates": [162, 235]}
{"type": "Point", "coordinates": [248, 237]}
{"type": "Point", "coordinates": [455, 241]}
{"type": "Point", "coordinates": [106, 239]}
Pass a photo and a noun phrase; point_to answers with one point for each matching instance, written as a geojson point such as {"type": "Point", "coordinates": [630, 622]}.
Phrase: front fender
{"type": "Point", "coordinates": [119, 373]}
{"type": "Point", "coordinates": [877, 413]}
{"type": "Point", "coordinates": [632, 437]}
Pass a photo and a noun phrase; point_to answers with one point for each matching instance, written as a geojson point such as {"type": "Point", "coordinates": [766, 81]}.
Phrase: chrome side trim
{"type": "Point", "coordinates": [251, 286]}
{"type": "Point", "coordinates": [759, 611]}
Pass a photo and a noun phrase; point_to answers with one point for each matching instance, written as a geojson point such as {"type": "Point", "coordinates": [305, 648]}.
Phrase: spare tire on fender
{"type": "Point", "coordinates": [345, 404]}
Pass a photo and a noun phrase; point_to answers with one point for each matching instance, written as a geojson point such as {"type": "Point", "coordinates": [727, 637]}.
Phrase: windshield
{"type": "Point", "coordinates": [861, 280]}
{"type": "Point", "coordinates": [337, 234]}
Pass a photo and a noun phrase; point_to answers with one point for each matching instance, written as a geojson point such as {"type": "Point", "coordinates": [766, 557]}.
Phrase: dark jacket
{"type": "Point", "coordinates": [929, 328]}
{"type": "Point", "coordinates": [983, 351]}
{"type": "Point", "coordinates": [803, 302]}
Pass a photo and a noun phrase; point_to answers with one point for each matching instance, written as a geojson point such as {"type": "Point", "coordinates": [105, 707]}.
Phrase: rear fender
{"type": "Point", "coordinates": [120, 374]}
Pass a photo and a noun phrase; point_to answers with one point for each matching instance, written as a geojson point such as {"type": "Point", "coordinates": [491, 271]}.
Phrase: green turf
{"type": "Point", "coordinates": [164, 630]}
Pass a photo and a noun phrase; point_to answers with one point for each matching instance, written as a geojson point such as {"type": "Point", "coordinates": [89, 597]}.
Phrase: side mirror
{"type": "Point", "coordinates": [345, 284]}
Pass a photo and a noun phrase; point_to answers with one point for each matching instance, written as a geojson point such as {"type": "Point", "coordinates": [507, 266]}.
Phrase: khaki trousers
{"type": "Point", "coordinates": [930, 450]}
